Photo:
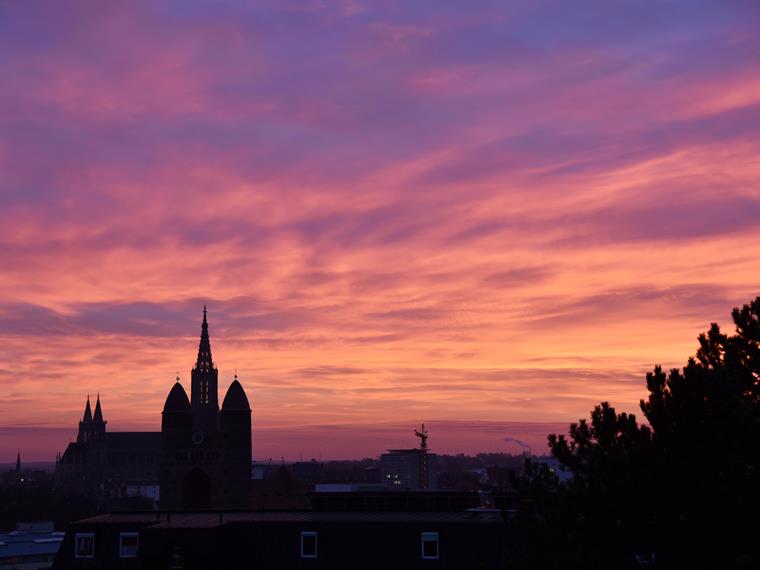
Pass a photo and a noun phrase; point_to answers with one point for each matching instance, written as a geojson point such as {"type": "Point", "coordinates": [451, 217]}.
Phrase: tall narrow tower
{"type": "Point", "coordinates": [85, 426]}
{"type": "Point", "coordinates": [204, 399]}
{"type": "Point", "coordinates": [205, 453]}
{"type": "Point", "coordinates": [98, 423]}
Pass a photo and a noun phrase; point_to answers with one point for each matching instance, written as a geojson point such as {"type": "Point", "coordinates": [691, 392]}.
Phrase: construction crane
{"type": "Point", "coordinates": [423, 435]}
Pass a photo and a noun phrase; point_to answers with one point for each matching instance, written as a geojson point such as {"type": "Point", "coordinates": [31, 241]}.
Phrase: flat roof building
{"type": "Point", "coordinates": [287, 539]}
{"type": "Point", "coordinates": [29, 547]}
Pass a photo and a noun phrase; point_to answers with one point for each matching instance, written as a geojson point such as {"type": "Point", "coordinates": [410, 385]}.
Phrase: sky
{"type": "Point", "coordinates": [484, 216]}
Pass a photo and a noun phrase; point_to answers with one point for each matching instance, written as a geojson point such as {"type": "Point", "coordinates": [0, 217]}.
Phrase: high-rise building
{"type": "Point", "coordinates": [409, 469]}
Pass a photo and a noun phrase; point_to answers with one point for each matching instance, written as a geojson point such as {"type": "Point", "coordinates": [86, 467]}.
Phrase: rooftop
{"type": "Point", "coordinates": [25, 543]}
{"type": "Point", "coordinates": [154, 519]}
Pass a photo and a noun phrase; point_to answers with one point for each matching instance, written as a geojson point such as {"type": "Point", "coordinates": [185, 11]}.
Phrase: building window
{"type": "Point", "coordinates": [308, 545]}
{"type": "Point", "coordinates": [84, 545]}
{"type": "Point", "coordinates": [128, 543]}
{"type": "Point", "coordinates": [430, 546]}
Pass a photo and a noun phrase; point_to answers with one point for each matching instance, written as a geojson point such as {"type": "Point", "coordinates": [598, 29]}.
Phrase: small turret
{"type": "Point", "coordinates": [87, 412]}
{"type": "Point", "coordinates": [98, 426]}
{"type": "Point", "coordinates": [85, 426]}
{"type": "Point", "coordinates": [98, 417]}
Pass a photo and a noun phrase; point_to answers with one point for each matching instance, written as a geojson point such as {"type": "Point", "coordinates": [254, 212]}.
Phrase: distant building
{"type": "Point", "coordinates": [15, 476]}
{"type": "Point", "coordinates": [311, 471]}
{"type": "Point", "coordinates": [555, 467]}
{"type": "Point", "coordinates": [409, 469]}
{"type": "Point", "coordinates": [200, 458]}
{"type": "Point", "coordinates": [109, 463]}
{"type": "Point", "coordinates": [30, 546]}
{"type": "Point", "coordinates": [261, 469]}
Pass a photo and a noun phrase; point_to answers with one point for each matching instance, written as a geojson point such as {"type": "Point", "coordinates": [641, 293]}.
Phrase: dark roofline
{"type": "Point", "coordinates": [215, 518]}
{"type": "Point", "coordinates": [110, 433]}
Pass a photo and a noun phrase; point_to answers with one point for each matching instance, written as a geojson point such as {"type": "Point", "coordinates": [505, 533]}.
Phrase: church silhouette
{"type": "Point", "coordinates": [201, 458]}
{"type": "Point", "coordinates": [205, 452]}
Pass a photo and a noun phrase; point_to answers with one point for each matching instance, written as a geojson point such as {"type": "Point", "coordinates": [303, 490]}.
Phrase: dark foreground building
{"type": "Point", "coordinates": [201, 458]}
{"type": "Point", "coordinates": [295, 539]}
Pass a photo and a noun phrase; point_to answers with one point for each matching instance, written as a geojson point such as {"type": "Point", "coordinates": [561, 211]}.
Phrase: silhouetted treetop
{"type": "Point", "coordinates": [717, 392]}
{"type": "Point", "coordinates": [681, 486]}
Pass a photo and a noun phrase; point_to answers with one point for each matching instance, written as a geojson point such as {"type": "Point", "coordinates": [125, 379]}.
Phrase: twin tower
{"type": "Point", "coordinates": [205, 459]}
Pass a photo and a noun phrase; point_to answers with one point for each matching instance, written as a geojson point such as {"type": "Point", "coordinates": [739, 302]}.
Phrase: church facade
{"type": "Point", "coordinates": [200, 459]}
{"type": "Point", "coordinates": [205, 451]}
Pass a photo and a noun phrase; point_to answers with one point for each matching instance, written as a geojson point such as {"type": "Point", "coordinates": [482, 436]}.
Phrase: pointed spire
{"type": "Point", "coordinates": [18, 462]}
{"type": "Point", "coordinates": [98, 413]}
{"type": "Point", "coordinates": [204, 348]}
{"type": "Point", "coordinates": [87, 411]}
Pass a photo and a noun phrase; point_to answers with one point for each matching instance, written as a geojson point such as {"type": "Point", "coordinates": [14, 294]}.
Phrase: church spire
{"type": "Point", "coordinates": [204, 384]}
{"type": "Point", "coordinates": [204, 362]}
{"type": "Point", "coordinates": [87, 411]}
{"type": "Point", "coordinates": [98, 418]}
{"type": "Point", "coordinates": [18, 462]}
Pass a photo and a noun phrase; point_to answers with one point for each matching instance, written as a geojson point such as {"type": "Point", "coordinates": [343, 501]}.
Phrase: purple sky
{"type": "Point", "coordinates": [487, 216]}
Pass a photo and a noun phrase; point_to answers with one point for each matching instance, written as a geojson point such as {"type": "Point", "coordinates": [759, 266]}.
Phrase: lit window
{"type": "Point", "coordinates": [84, 546]}
{"type": "Point", "coordinates": [128, 543]}
{"type": "Point", "coordinates": [430, 546]}
{"type": "Point", "coordinates": [308, 545]}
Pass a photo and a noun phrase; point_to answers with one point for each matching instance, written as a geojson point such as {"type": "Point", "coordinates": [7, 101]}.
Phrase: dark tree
{"type": "Point", "coordinates": [682, 487]}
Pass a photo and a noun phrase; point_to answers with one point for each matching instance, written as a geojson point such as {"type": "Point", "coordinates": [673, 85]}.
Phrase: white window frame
{"type": "Point", "coordinates": [77, 536]}
{"type": "Point", "coordinates": [316, 550]}
{"type": "Point", "coordinates": [122, 535]}
{"type": "Point", "coordinates": [430, 537]}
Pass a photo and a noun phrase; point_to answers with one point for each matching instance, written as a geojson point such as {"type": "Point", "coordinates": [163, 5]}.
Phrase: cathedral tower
{"type": "Point", "coordinates": [204, 398]}
{"type": "Point", "coordinates": [91, 428]}
{"type": "Point", "coordinates": [205, 454]}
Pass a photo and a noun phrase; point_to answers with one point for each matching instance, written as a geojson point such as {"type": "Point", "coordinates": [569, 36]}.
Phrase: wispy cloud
{"type": "Point", "coordinates": [395, 211]}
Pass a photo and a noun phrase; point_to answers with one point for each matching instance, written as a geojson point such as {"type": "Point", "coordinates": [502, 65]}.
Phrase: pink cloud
{"type": "Point", "coordinates": [394, 216]}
